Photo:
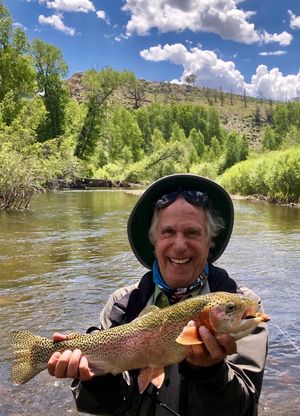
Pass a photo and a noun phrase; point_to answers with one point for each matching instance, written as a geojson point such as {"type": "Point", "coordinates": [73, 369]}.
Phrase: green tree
{"type": "Point", "coordinates": [99, 87]}
{"type": "Point", "coordinates": [214, 128]}
{"type": "Point", "coordinates": [51, 67]}
{"type": "Point", "coordinates": [27, 166]}
{"type": "Point", "coordinates": [215, 149]}
{"type": "Point", "coordinates": [125, 138]}
{"type": "Point", "coordinates": [177, 134]}
{"type": "Point", "coordinates": [134, 91]}
{"type": "Point", "coordinates": [157, 140]}
{"type": "Point", "coordinates": [292, 137]}
{"type": "Point", "coordinates": [281, 120]}
{"type": "Point", "coordinates": [270, 140]}
{"type": "Point", "coordinates": [17, 75]}
{"type": "Point", "coordinates": [236, 149]}
{"type": "Point", "coordinates": [197, 139]}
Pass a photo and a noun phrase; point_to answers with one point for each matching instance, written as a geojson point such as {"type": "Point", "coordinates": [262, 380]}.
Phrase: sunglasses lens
{"type": "Point", "coordinates": [166, 199]}
{"type": "Point", "coordinates": [193, 197]}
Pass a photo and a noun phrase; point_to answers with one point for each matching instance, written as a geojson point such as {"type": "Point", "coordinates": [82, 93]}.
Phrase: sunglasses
{"type": "Point", "coordinates": [193, 197]}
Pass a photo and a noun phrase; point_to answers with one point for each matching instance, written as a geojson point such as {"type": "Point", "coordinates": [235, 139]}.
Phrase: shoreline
{"type": "Point", "coordinates": [89, 183]}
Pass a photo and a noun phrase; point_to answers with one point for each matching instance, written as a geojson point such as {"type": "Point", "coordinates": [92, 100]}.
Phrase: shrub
{"type": "Point", "coordinates": [275, 175]}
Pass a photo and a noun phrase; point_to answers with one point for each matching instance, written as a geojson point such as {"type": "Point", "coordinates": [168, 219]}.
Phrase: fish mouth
{"type": "Point", "coordinates": [186, 260]}
{"type": "Point", "coordinates": [258, 316]}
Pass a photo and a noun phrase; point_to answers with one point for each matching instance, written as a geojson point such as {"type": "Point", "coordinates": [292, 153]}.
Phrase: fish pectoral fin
{"type": "Point", "coordinates": [149, 375]}
{"type": "Point", "coordinates": [189, 336]}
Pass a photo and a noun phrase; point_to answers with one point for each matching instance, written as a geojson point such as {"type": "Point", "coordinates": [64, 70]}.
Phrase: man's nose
{"type": "Point", "coordinates": [180, 242]}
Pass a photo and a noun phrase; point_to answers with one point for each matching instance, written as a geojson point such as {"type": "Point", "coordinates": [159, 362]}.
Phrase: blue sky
{"type": "Point", "coordinates": [251, 45]}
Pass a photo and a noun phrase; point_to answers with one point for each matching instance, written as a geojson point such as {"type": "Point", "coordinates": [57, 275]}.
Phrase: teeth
{"type": "Point", "coordinates": [180, 261]}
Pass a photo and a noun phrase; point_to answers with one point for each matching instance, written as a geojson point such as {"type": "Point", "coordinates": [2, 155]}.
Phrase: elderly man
{"type": "Point", "coordinates": [180, 225]}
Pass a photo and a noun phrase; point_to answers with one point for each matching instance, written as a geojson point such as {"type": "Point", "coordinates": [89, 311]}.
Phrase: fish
{"type": "Point", "coordinates": [155, 339]}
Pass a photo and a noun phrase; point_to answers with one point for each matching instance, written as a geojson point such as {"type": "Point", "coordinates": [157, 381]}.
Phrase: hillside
{"type": "Point", "coordinates": [244, 114]}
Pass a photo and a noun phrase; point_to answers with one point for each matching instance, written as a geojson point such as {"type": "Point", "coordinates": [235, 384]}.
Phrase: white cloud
{"type": "Point", "coordinates": [274, 53]}
{"type": "Point", "coordinates": [273, 84]}
{"type": "Point", "coordinates": [284, 38]}
{"type": "Point", "coordinates": [214, 72]}
{"type": "Point", "coordinates": [102, 15]}
{"type": "Point", "coordinates": [84, 6]}
{"type": "Point", "coordinates": [295, 20]}
{"type": "Point", "coordinates": [217, 16]}
{"type": "Point", "coordinates": [56, 21]}
{"type": "Point", "coordinates": [210, 71]}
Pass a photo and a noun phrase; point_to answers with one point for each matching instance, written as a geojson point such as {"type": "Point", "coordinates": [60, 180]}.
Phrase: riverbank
{"type": "Point", "coordinates": [90, 183]}
{"type": "Point", "coordinates": [85, 183]}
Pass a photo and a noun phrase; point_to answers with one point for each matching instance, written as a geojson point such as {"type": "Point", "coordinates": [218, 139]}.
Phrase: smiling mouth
{"type": "Point", "coordinates": [180, 261]}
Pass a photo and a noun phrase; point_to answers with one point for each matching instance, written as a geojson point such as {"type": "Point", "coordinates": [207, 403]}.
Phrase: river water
{"type": "Point", "coordinates": [61, 260]}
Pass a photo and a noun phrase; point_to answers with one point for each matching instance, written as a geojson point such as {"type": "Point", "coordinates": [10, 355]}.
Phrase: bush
{"type": "Point", "coordinates": [275, 175]}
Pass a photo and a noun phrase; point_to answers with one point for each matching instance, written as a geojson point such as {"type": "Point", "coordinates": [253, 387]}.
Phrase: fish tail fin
{"type": "Point", "coordinates": [30, 355]}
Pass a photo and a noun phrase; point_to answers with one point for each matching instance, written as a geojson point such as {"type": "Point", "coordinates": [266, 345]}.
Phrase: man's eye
{"type": "Point", "coordinates": [194, 233]}
{"type": "Point", "coordinates": [167, 231]}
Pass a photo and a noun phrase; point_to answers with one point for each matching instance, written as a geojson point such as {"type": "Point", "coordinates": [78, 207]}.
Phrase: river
{"type": "Point", "coordinates": [61, 260]}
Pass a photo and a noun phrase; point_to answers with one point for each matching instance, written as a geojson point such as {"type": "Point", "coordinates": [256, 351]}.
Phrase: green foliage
{"type": "Point", "coordinates": [236, 149]}
{"type": "Point", "coordinates": [286, 127]}
{"type": "Point", "coordinates": [27, 166]}
{"type": "Point", "coordinates": [214, 128]}
{"type": "Point", "coordinates": [270, 140]}
{"type": "Point", "coordinates": [187, 116]}
{"type": "Point", "coordinates": [292, 137]}
{"type": "Point", "coordinates": [123, 138]}
{"type": "Point", "coordinates": [207, 169]}
{"type": "Point", "coordinates": [16, 71]}
{"type": "Point", "coordinates": [196, 138]}
{"type": "Point", "coordinates": [99, 87]}
{"type": "Point", "coordinates": [275, 175]}
{"type": "Point", "coordinates": [286, 115]}
{"type": "Point", "coordinates": [50, 67]}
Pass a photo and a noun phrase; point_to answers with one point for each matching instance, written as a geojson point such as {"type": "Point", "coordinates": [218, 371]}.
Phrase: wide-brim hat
{"type": "Point", "coordinates": [141, 215]}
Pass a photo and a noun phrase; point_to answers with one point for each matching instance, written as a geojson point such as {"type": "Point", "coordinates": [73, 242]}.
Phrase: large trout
{"type": "Point", "coordinates": [155, 339]}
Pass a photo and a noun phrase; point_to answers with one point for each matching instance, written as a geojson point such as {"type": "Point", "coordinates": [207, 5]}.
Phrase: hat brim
{"type": "Point", "coordinates": [141, 215]}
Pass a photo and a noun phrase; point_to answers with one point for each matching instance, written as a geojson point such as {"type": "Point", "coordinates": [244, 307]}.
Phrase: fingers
{"type": "Point", "coordinates": [52, 363]}
{"type": "Point", "coordinates": [57, 337]}
{"type": "Point", "coordinates": [228, 343]}
{"type": "Point", "coordinates": [69, 364]}
{"type": "Point", "coordinates": [213, 350]}
{"type": "Point", "coordinates": [212, 345]}
{"type": "Point", "coordinates": [84, 371]}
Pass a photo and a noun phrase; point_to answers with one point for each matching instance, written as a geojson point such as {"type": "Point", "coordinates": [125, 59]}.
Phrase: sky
{"type": "Point", "coordinates": [250, 46]}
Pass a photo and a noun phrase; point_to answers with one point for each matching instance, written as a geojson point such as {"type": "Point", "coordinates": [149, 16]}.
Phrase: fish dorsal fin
{"type": "Point", "coordinates": [189, 336]}
{"type": "Point", "coordinates": [149, 309]}
{"type": "Point", "coordinates": [152, 375]}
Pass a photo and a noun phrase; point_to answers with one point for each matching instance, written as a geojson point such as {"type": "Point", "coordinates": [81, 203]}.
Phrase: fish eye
{"type": "Point", "coordinates": [230, 307]}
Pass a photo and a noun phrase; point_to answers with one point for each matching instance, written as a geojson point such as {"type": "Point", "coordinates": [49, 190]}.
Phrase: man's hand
{"type": "Point", "coordinates": [69, 363]}
{"type": "Point", "coordinates": [213, 350]}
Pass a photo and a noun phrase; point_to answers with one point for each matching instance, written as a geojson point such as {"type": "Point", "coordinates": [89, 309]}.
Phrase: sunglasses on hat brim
{"type": "Point", "coordinates": [193, 197]}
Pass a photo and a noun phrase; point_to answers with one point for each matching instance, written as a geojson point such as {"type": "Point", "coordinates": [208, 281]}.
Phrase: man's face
{"type": "Point", "coordinates": [181, 244]}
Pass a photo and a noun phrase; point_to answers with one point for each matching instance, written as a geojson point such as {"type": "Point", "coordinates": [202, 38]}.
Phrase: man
{"type": "Point", "coordinates": [180, 225]}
